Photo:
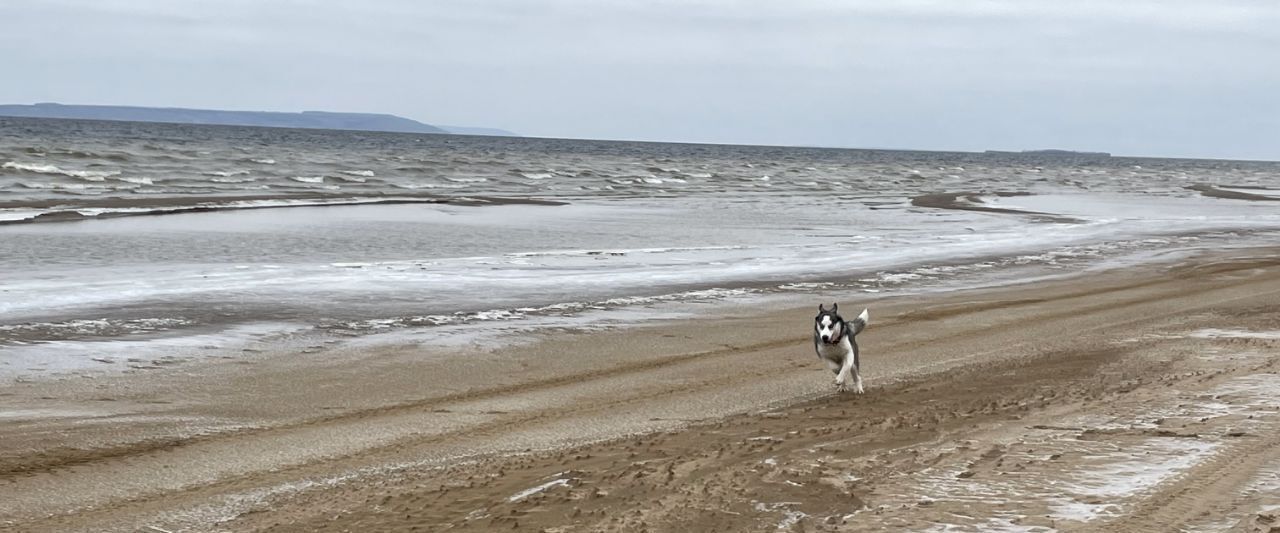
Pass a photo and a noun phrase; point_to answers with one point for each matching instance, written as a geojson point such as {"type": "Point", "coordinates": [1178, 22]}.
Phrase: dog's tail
{"type": "Point", "coordinates": [860, 323]}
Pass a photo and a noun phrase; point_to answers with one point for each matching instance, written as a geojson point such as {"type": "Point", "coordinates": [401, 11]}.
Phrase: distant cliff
{"type": "Point", "coordinates": [305, 119]}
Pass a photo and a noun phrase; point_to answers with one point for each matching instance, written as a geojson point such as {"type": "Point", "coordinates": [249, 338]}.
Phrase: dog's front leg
{"type": "Point", "coordinates": [849, 378]}
{"type": "Point", "coordinates": [843, 378]}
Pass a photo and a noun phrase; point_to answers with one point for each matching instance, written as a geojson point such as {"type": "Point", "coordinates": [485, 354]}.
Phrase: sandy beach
{"type": "Point", "coordinates": [554, 267]}
{"type": "Point", "coordinates": [1139, 399]}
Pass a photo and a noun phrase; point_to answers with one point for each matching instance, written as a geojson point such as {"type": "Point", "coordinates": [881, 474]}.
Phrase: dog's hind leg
{"type": "Point", "coordinates": [857, 365]}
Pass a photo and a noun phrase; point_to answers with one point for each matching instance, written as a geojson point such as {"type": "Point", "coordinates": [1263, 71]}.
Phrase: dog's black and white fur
{"type": "Point", "coordinates": [833, 339]}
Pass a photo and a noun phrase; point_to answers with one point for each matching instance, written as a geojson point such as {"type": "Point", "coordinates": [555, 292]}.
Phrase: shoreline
{"type": "Point", "coordinates": [57, 347]}
{"type": "Point", "coordinates": [292, 439]}
{"type": "Point", "coordinates": [108, 208]}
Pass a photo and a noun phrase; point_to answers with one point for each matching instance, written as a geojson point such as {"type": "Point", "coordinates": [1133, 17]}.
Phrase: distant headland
{"type": "Point", "coordinates": [267, 119]}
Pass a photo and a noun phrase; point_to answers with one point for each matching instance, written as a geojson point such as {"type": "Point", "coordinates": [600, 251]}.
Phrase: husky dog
{"type": "Point", "coordinates": [833, 339]}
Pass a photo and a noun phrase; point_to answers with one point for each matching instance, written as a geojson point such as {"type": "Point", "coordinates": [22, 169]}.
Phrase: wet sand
{"type": "Point", "coordinates": [1134, 400]}
{"type": "Point", "coordinates": [1219, 192]}
{"type": "Point", "coordinates": [972, 201]}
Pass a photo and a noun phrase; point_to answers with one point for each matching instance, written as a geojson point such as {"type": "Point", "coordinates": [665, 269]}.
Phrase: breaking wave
{"type": "Point", "coordinates": [91, 175]}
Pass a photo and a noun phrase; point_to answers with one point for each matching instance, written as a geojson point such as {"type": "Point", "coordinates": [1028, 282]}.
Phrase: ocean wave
{"type": "Point", "coordinates": [359, 173]}
{"type": "Point", "coordinates": [467, 180]}
{"type": "Point", "coordinates": [647, 180]}
{"type": "Point", "coordinates": [263, 161]}
{"type": "Point", "coordinates": [47, 331]}
{"type": "Point", "coordinates": [308, 179]}
{"type": "Point", "coordinates": [226, 173]}
{"type": "Point", "coordinates": [232, 179]}
{"type": "Point", "coordinates": [537, 175]}
{"type": "Point", "coordinates": [91, 175]}
{"type": "Point", "coordinates": [76, 154]}
{"type": "Point", "coordinates": [61, 186]}
{"type": "Point", "coordinates": [413, 186]}
{"type": "Point", "coordinates": [136, 180]}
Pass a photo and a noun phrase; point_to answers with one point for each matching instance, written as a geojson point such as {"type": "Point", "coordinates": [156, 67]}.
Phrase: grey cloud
{"type": "Point", "coordinates": [1160, 78]}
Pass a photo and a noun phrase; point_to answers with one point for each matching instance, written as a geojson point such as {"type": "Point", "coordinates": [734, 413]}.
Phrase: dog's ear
{"type": "Point", "coordinates": [821, 309]}
{"type": "Point", "coordinates": [835, 307]}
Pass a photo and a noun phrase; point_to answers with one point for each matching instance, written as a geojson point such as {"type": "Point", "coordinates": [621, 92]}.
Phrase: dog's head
{"type": "Point", "coordinates": [829, 327]}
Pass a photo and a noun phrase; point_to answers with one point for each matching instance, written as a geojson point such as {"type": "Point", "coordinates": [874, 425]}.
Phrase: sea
{"type": "Point", "coordinates": [129, 245]}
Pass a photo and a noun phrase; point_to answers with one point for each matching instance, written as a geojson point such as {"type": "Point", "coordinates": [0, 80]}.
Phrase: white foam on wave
{"type": "Point", "coordinates": [647, 180]}
{"type": "Point", "coordinates": [19, 214]}
{"type": "Point", "coordinates": [226, 173]}
{"type": "Point", "coordinates": [536, 175]}
{"type": "Point", "coordinates": [308, 179]}
{"type": "Point", "coordinates": [263, 161]}
{"type": "Point", "coordinates": [90, 175]}
{"type": "Point", "coordinates": [136, 180]}
{"type": "Point", "coordinates": [359, 173]}
{"type": "Point", "coordinates": [30, 331]}
{"type": "Point", "coordinates": [414, 186]}
{"type": "Point", "coordinates": [467, 180]}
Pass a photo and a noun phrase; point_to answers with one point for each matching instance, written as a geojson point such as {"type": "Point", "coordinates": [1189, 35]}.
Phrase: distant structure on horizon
{"type": "Point", "coordinates": [266, 119]}
{"type": "Point", "coordinates": [1051, 152]}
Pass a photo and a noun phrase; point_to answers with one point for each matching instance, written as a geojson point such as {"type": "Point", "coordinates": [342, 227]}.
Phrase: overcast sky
{"type": "Point", "coordinates": [1141, 77]}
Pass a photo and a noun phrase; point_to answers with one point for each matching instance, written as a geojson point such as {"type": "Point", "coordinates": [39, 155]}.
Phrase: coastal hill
{"type": "Point", "coordinates": [269, 119]}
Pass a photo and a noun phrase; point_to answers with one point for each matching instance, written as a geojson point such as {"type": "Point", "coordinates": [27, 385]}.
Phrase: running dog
{"type": "Point", "coordinates": [833, 339]}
